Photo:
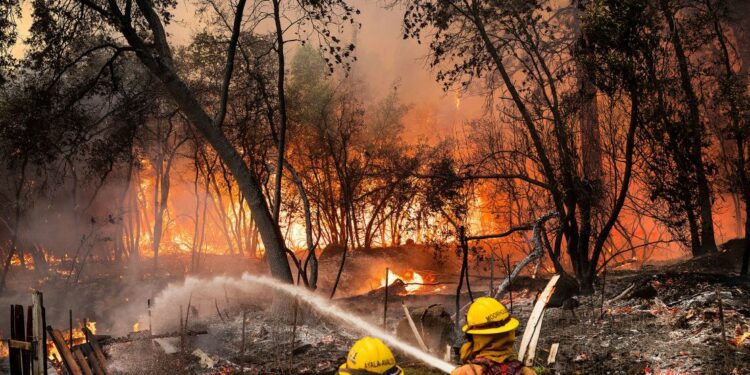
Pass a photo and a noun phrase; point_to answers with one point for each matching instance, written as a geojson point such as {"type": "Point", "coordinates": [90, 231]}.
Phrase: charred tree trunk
{"type": "Point", "coordinates": [282, 108]}
{"type": "Point", "coordinates": [312, 259]}
{"type": "Point", "coordinates": [161, 197]}
{"type": "Point", "coordinates": [120, 226]}
{"type": "Point", "coordinates": [738, 129]}
{"type": "Point", "coordinates": [746, 253]}
{"type": "Point", "coordinates": [221, 215]}
{"type": "Point", "coordinates": [16, 223]}
{"type": "Point", "coordinates": [708, 240]}
{"type": "Point", "coordinates": [588, 115]}
{"type": "Point", "coordinates": [196, 227]}
{"type": "Point", "coordinates": [695, 235]}
{"type": "Point", "coordinates": [601, 239]}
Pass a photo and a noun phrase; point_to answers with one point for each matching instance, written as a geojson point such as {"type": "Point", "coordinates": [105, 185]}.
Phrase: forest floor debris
{"type": "Point", "coordinates": [659, 320]}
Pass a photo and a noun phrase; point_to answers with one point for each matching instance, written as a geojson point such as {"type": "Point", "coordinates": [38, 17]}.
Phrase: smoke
{"type": "Point", "coordinates": [202, 292]}
{"type": "Point", "coordinates": [204, 296]}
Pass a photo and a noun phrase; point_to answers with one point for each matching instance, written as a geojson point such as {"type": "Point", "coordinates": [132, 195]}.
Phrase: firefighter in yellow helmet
{"type": "Point", "coordinates": [491, 332]}
{"type": "Point", "coordinates": [369, 356]}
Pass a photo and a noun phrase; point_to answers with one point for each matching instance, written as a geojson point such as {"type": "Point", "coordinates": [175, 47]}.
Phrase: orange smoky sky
{"type": "Point", "coordinates": [387, 60]}
{"type": "Point", "coordinates": [384, 59]}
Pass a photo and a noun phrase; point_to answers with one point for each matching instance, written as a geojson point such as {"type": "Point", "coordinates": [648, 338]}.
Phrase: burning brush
{"type": "Point", "coordinates": [78, 337]}
{"type": "Point", "coordinates": [411, 282]}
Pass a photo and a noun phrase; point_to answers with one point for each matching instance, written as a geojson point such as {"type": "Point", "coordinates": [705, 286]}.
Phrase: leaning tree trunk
{"type": "Point", "coordinates": [157, 57]}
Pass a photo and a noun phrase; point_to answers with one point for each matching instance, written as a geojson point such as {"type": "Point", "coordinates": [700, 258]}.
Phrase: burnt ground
{"type": "Point", "coordinates": [669, 324]}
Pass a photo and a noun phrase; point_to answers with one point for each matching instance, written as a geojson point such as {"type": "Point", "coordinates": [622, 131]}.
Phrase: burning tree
{"type": "Point", "coordinates": [475, 40]}
{"type": "Point", "coordinates": [141, 26]}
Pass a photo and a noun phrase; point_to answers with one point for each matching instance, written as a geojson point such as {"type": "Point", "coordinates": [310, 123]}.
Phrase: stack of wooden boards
{"type": "Point", "coordinates": [28, 344]}
{"type": "Point", "coordinates": [84, 359]}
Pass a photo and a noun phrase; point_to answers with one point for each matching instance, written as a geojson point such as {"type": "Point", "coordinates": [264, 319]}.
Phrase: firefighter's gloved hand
{"type": "Point", "coordinates": [468, 370]}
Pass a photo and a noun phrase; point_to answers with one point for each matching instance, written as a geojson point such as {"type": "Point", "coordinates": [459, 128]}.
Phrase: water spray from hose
{"type": "Point", "coordinates": [324, 306]}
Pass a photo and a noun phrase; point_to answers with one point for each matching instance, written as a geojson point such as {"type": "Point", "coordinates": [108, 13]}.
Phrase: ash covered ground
{"type": "Point", "coordinates": [663, 319]}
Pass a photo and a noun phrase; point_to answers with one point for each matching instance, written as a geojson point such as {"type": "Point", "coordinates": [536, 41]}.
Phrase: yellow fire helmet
{"type": "Point", "coordinates": [369, 356]}
{"type": "Point", "coordinates": [487, 316]}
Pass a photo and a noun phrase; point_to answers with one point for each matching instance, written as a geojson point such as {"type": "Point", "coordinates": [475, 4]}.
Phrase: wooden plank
{"type": "Point", "coordinates": [94, 342]}
{"type": "Point", "coordinates": [44, 340]}
{"type": "Point", "coordinates": [552, 358]}
{"type": "Point", "coordinates": [27, 353]}
{"type": "Point", "coordinates": [534, 322]}
{"type": "Point", "coordinates": [531, 352]}
{"type": "Point", "coordinates": [17, 332]}
{"type": "Point", "coordinates": [94, 360]}
{"type": "Point", "coordinates": [39, 357]}
{"type": "Point", "coordinates": [68, 360]}
{"type": "Point", "coordinates": [85, 368]}
{"type": "Point", "coordinates": [414, 328]}
{"type": "Point", "coordinates": [17, 344]}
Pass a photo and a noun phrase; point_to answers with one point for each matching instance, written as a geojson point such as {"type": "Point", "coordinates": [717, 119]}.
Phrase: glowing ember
{"type": "Point", "coordinates": [737, 341]}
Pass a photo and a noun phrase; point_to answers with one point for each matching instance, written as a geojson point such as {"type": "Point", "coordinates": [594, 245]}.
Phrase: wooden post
{"type": "Point", "coordinates": [38, 338]}
{"type": "Point", "coordinates": [294, 333]}
{"type": "Point", "coordinates": [492, 274]}
{"type": "Point", "coordinates": [385, 299]}
{"type": "Point", "coordinates": [182, 333]}
{"type": "Point", "coordinates": [721, 316]}
{"type": "Point", "coordinates": [17, 333]}
{"type": "Point", "coordinates": [85, 324]}
{"type": "Point", "coordinates": [26, 354]}
{"type": "Point", "coordinates": [604, 289]}
{"type": "Point", "coordinates": [148, 304]}
{"type": "Point", "coordinates": [242, 347]}
{"type": "Point", "coordinates": [510, 285]}
{"type": "Point", "coordinates": [70, 325]}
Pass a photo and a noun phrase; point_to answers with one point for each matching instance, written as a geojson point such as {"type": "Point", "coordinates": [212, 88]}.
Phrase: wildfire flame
{"type": "Point", "coordinates": [412, 280]}
{"type": "Point", "coordinates": [78, 338]}
{"type": "Point", "coordinates": [136, 327]}
{"type": "Point", "coordinates": [4, 352]}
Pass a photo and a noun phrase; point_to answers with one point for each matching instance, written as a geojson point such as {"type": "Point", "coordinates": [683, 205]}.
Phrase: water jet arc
{"type": "Point", "coordinates": [323, 306]}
